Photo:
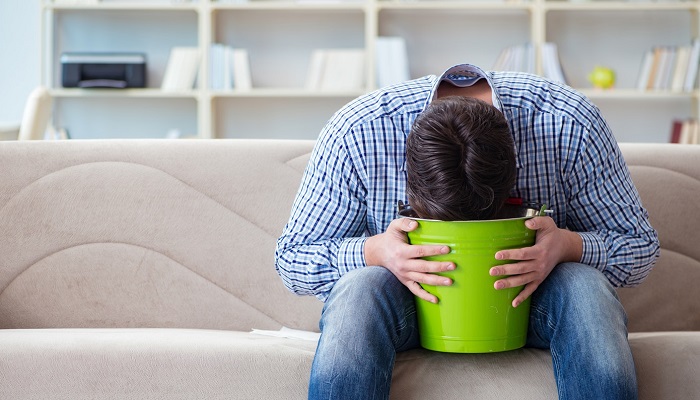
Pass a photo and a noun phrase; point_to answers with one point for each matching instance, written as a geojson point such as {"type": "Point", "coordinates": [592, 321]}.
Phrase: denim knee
{"type": "Point", "coordinates": [577, 314]}
{"type": "Point", "coordinates": [369, 299]}
{"type": "Point", "coordinates": [368, 316]}
{"type": "Point", "coordinates": [582, 292]}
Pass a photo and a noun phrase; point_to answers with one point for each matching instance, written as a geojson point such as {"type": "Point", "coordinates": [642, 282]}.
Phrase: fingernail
{"type": "Point", "coordinates": [500, 285]}
{"type": "Point", "coordinates": [445, 250]}
{"type": "Point", "coordinates": [446, 282]}
{"type": "Point", "coordinates": [494, 271]}
{"type": "Point", "coordinates": [530, 223]}
{"type": "Point", "coordinates": [516, 303]}
{"type": "Point", "coordinates": [450, 267]}
{"type": "Point", "coordinates": [499, 256]}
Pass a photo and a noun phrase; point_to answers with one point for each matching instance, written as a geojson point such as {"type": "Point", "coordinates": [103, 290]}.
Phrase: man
{"type": "Point", "coordinates": [344, 245]}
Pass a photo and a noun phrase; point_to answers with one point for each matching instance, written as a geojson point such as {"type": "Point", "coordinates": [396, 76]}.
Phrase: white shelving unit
{"type": "Point", "coordinates": [280, 36]}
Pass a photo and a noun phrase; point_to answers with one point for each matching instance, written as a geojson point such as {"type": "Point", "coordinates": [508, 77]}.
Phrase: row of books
{"type": "Point", "coordinates": [522, 58]}
{"type": "Point", "coordinates": [685, 131]}
{"type": "Point", "coordinates": [673, 68]}
{"type": "Point", "coordinates": [229, 68]}
{"type": "Point", "coordinates": [343, 69]}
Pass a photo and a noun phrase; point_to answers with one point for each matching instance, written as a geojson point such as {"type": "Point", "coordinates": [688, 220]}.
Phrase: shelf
{"type": "Point", "coordinates": [290, 5]}
{"type": "Point", "coordinates": [455, 5]}
{"type": "Point", "coordinates": [636, 95]}
{"type": "Point", "coordinates": [126, 6]}
{"type": "Point", "coordinates": [620, 6]}
{"type": "Point", "coordinates": [281, 37]}
{"type": "Point", "coordinates": [282, 93]}
{"type": "Point", "coordinates": [120, 93]}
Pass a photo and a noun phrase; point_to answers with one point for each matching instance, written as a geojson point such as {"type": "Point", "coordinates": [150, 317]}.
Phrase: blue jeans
{"type": "Point", "coordinates": [575, 312]}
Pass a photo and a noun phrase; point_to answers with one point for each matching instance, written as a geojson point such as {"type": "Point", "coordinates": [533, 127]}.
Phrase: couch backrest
{"type": "Point", "coordinates": [181, 233]}
{"type": "Point", "coordinates": [148, 234]}
{"type": "Point", "coordinates": [667, 177]}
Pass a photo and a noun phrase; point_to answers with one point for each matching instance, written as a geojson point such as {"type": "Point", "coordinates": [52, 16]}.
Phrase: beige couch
{"type": "Point", "coordinates": [137, 270]}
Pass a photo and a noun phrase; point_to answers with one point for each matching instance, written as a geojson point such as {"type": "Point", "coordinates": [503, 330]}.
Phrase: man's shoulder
{"type": "Point", "coordinates": [537, 94]}
{"type": "Point", "coordinates": [397, 102]}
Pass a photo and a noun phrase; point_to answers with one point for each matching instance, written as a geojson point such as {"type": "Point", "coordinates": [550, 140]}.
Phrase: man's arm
{"type": "Point", "coordinates": [609, 228]}
{"type": "Point", "coordinates": [606, 211]}
{"type": "Point", "coordinates": [323, 238]}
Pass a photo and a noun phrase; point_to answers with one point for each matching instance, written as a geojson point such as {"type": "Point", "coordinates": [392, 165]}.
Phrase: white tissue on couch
{"type": "Point", "coordinates": [289, 333]}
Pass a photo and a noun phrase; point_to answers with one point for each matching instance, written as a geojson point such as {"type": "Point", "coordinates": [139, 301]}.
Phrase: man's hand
{"type": "Point", "coordinates": [392, 251]}
{"type": "Point", "coordinates": [552, 246]}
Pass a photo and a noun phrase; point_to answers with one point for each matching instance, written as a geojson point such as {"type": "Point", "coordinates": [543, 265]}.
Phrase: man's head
{"type": "Point", "coordinates": [460, 160]}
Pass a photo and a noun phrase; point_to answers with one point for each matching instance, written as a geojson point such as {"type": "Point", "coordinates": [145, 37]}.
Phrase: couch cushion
{"type": "Point", "coordinates": [148, 233]}
{"type": "Point", "coordinates": [206, 364]}
{"type": "Point", "coordinates": [667, 364]}
{"type": "Point", "coordinates": [667, 177]}
{"type": "Point", "coordinates": [151, 363]}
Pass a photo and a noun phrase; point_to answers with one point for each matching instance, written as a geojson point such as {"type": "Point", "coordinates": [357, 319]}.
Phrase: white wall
{"type": "Point", "coordinates": [20, 49]}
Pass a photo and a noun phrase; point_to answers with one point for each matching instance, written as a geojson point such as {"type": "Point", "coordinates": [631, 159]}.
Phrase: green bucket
{"type": "Point", "coordinates": [471, 316]}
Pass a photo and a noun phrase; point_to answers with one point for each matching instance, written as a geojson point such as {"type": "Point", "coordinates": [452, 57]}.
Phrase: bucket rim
{"type": "Point", "coordinates": [529, 210]}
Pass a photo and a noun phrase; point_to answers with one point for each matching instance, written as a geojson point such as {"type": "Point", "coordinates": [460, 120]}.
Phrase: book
{"type": "Point", "coordinates": [217, 66]}
{"type": "Point", "coordinates": [662, 80]}
{"type": "Point", "coordinates": [240, 69]}
{"type": "Point", "coordinates": [551, 66]}
{"type": "Point", "coordinates": [315, 69]}
{"type": "Point", "coordinates": [336, 70]}
{"type": "Point", "coordinates": [680, 68]}
{"type": "Point", "coordinates": [343, 69]}
{"type": "Point", "coordinates": [392, 60]}
{"type": "Point", "coordinates": [689, 132]}
{"type": "Point", "coordinates": [655, 64]}
{"type": "Point", "coordinates": [181, 71]}
{"type": "Point", "coordinates": [516, 58]}
{"type": "Point", "coordinates": [645, 70]}
{"type": "Point", "coordinates": [693, 60]}
{"type": "Point", "coordinates": [676, 127]}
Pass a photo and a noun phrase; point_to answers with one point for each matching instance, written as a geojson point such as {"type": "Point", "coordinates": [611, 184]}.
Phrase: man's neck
{"type": "Point", "coordinates": [480, 90]}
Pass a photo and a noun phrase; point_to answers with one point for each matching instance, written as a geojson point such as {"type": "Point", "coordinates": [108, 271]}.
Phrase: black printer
{"type": "Point", "coordinates": [103, 70]}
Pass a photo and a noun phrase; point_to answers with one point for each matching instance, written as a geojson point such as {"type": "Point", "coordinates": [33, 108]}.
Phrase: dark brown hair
{"type": "Point", "coordinates": [460, 160]}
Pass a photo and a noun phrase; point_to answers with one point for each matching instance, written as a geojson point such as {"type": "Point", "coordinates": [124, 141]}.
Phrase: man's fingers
{"type": "Point", "coordinates": [542, 222]}
{"type": "Point", "coordinates": [514, 281]}
{"type": "Point", "coordinates": [418, 290]}
{"type": "Point", "coordinates": [528, 290]}
{"type": "Point", "coordinates": [525, 253]}
{"type": "Point", "coordinates": [406, 224]}
{"type": "Point", "coordinates": [431, 279]}
{"type": "Point", "coordinates": [420, 251]}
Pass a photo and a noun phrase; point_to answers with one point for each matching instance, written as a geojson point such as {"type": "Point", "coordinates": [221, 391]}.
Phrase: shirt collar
{"type": "Point", "coordinates": [463, 75]}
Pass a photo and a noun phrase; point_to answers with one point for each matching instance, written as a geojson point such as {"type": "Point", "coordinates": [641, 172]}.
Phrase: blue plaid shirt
{"type": "Point", "coordinates": [566, 157]}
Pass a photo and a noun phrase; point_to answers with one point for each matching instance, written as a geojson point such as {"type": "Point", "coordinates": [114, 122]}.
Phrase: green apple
{"type": "Point", "coordinates": [602, 77]}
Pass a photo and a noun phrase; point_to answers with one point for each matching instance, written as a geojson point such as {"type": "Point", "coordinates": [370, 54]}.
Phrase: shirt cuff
{"type": "Point", "coordinates": [351, 255]}
{"type": "Point", "coordinates": [594, 252]}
